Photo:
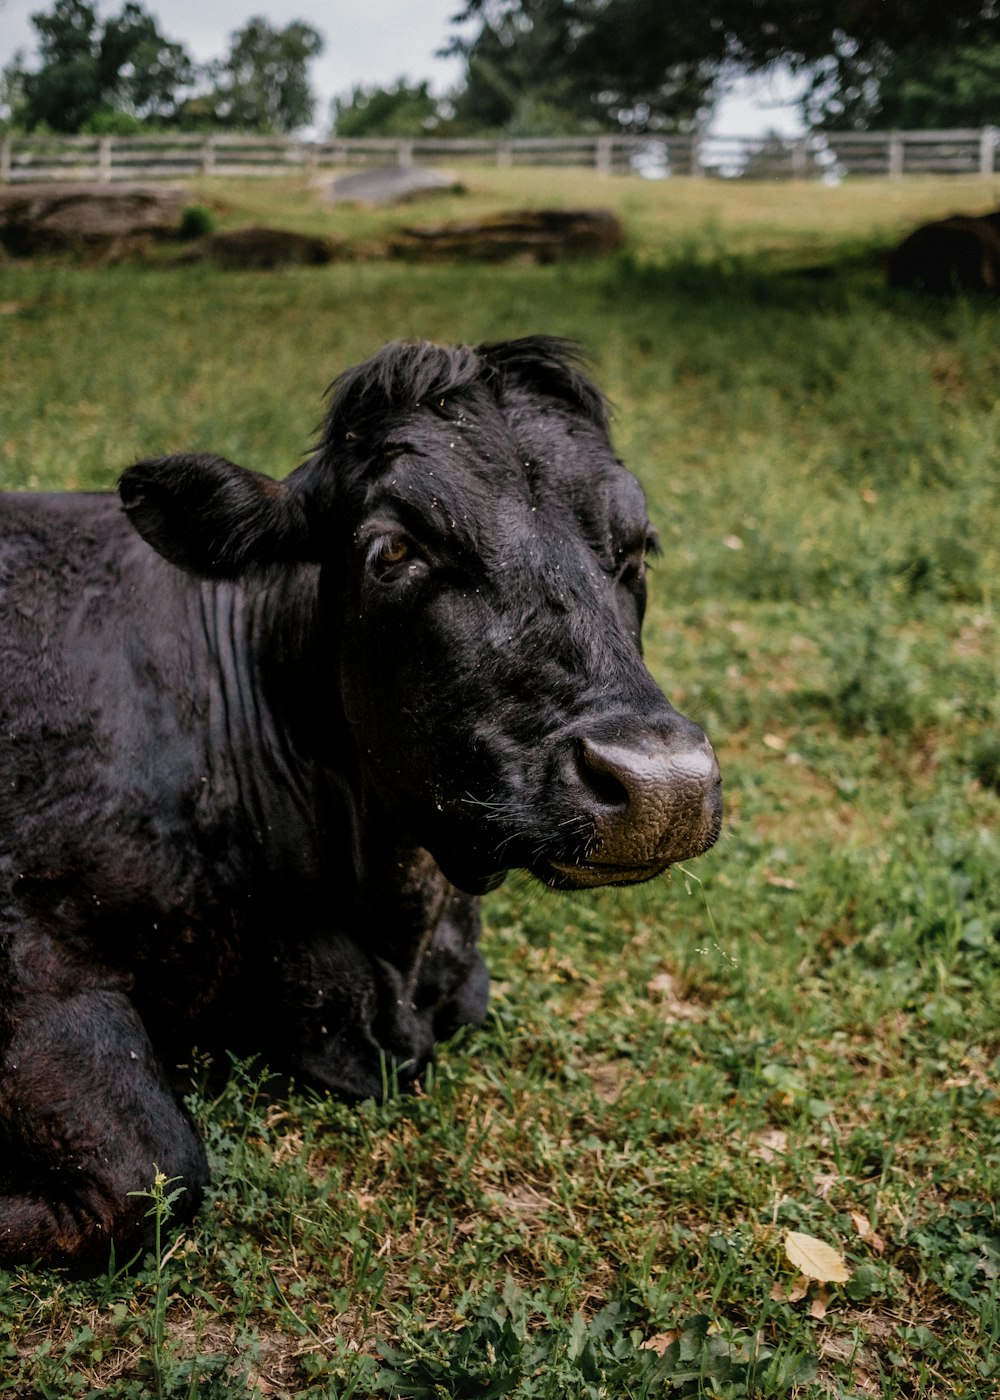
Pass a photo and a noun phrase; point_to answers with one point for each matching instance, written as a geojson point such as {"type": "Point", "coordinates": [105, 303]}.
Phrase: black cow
{"type": "Point", "coordinates": [262, 744]}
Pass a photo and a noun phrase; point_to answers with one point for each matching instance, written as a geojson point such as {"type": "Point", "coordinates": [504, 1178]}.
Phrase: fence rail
{"type": "Point", "coordinates": [832, 155]}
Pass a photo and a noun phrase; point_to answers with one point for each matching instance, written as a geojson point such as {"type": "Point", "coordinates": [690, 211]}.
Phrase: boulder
{"type": "Point", "coordinates": [393, 184]}
{"type": "Point", "coordinates": [263, 248]}
{"type": "Point", "coordinates": [538, 235]}
{"type": "Point", "coordinates": [958, 254]}
{"type": "Point", "coordinates": [107, 220]}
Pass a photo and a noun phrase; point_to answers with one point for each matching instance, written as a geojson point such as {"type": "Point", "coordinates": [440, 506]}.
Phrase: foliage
{"type": "Point", "coordinates": [570, 59]}
{"type": "Point", "coordinates": [917, 87]}
{"type": "Point", "coordinates": [262, 85]}
{"type": "Point", "coordinates": [595, 1192]}
{"type": "Point", "coordinates": [401, 110]}
{"type": "Point", "coordinates": [196, 221]}
{"type": "Point", "coordinates": [114, 76]}
{"type": "Point", "coordinates": [12, 94]}
{"type": "Point", "coordinates": [92, 68]}
{"type": "Point", "coordinates": [642, 65]}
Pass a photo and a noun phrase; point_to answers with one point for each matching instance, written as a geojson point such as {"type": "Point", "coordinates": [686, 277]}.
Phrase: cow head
{"type": "Point", "coordinates": [482, 586]}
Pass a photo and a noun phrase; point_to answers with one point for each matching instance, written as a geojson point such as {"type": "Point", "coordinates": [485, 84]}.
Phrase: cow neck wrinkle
{"type": "Point", "coordinates": [261, 636]}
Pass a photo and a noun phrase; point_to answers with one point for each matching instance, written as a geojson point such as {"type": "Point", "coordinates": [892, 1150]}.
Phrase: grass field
{"type": "Point", "coordinates": [590, 1197]}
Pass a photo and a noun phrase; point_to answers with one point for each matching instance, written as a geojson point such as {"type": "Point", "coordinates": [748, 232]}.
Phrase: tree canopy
{"type": "Point", "coordinates": [102, 75]}
{"type": "Point", "coordinates": [918, 87]}
{"type": "Point", "coordinates": [650, 63]}
{"type": "Point", "coordinates": [91, 68]}
{"type": "Point", "coordinates": [403, 109]}
{"type": "Point", "coordinates": [532, 67]}
{"type": "Point", "coordinates": [263, 84]}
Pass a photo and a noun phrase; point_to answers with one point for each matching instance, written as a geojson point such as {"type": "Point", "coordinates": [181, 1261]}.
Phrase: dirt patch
{"type": "Point", "coordinates": [262, 249]}
{"type": "Point", "coordinates": [533, 235]}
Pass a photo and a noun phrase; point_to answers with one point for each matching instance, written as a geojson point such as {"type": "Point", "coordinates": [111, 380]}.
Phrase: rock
{"type": "Point", "coordinates": [393, 184]}
{"type": "Point", "coordinates": [263, 249]}
{"type": "Point", "coordinates": [539, 235]}
{"type": "Point", "coordinates": [958, 254]}
{"type": "Point", "coordinates": [109, 220]}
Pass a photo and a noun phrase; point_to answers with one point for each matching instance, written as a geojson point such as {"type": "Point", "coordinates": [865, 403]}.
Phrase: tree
{"type": "Point", "coordinates": [148, 69]}
{"type": "Point", "coordinates": [916, 88]}
{"type": "Point", "coordinates": [263, 85]}
{"type": "Point", "coordinates": [652, 63]}
{"type": "Point", "coordinates": [12, 93]}
{"type": "Point", "coordinates": [89, 69]}
{"type": "Point", "coordinates": [401, 110]}
{"type": "Point", "coordinates": [520, 75]}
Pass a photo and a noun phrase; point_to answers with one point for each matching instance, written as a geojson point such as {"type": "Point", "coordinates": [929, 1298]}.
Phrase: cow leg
{"type": "Point", "coordinates": [86, 1117]}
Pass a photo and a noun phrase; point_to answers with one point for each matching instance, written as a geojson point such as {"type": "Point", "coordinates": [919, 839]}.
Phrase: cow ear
{"type": "Point", "coordinates": [213, 518]}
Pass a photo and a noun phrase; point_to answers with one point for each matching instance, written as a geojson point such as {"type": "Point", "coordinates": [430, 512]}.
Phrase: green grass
{"type": "Point", "coordinates": [589, 1196]}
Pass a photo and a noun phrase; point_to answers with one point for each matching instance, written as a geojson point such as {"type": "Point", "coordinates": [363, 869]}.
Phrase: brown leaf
{"type": "Point", "coordinates": [793, 1292]}
{"type": "Point", "coordinates": [817, 1308]}
{"type": "Point", "coordinates": [660, 1342]}
{"type": "Point", "coordinates": [799, 1289]}
{"type": "Point", "coordinates": [864, 1228]}
{"type": "Point", "coordinates": [770, 1143]}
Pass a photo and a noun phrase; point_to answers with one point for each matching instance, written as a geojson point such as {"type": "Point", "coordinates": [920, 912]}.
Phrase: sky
{"type": "Point", "coordinates": [367, 42]}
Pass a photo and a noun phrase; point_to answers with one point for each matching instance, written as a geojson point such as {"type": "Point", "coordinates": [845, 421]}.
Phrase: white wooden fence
{"type": "Point", "coordinates": [832, 155]}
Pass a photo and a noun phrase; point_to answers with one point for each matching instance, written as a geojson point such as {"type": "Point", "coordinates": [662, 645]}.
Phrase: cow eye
{"type": "Point", "coordinates": [394, 549]}
{"type": "Point", "coordinates": [394, 556]}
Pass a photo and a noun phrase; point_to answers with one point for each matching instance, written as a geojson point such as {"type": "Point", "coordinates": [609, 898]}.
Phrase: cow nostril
{"type": "Point", "coordinates": [600, 777]}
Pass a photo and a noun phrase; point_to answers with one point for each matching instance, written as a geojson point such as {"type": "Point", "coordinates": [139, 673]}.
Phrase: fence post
{"type": "Point", "coordinates": [208, 155]}
{"type": "Point", "coordinates": [4, 160]}
{"type": "Point", "coordinates": [604, 154]}
{"type": "Point", "coordinates": [896, 154]}
{"type": "Point", "coordinates": [404, 154]}
{"type": "Point", "coordinates": [104, 160]}
{"type": "Point", "coordinates": [800, 158]}
{"type": "Point", "coordinates": [987, 147]}
{"type": "Point", "coordinates": [505, 153]}
{"type": "Point", "coordinates": [697, 170]}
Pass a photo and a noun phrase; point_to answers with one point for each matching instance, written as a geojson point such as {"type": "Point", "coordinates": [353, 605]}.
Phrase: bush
{"type": "Point", "coordinates": [196, 222]}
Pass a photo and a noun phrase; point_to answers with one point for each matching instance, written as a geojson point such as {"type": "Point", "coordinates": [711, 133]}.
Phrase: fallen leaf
{"type": "Point", "coordinates": [662, 982]}
{"type": "Point", "coordinates": [815, 1259]}
{"type": "Point", "coordinates": [817, 1308]}
{"type": "Point", "coordinates": [864, 1228]}
{"type": "Point", "coordinates": [792, 1292]}
{"type": "Point", "coordinates": [780, 882]}
{"type": "Point", "coordinates": [660, 1342]}
{"type": "Point", "coordinates": [673, 1006]}
{"type": "Point", "coordinates": [773, 741]}
{"type": "Point", "coordinates": [824, 1182]}
{"type": "Point", "coordinates": [770, 1144]}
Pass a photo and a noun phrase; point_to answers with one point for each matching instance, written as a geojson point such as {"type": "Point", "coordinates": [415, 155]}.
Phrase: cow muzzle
{"type": "Point", "coordinates": [647, 801]}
